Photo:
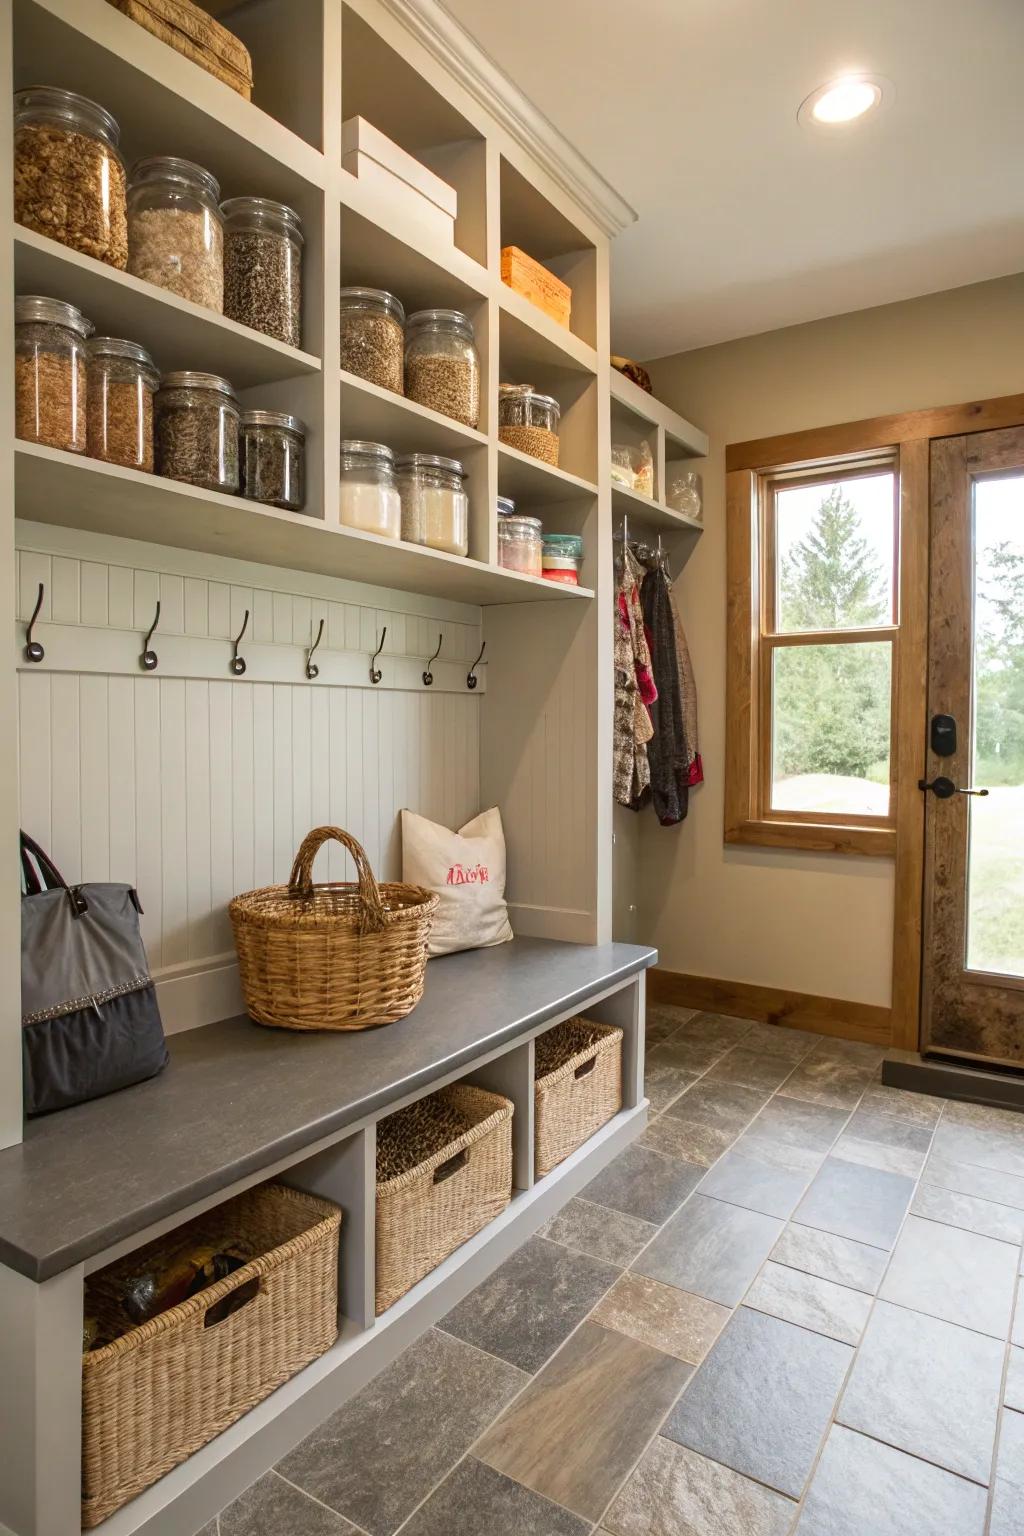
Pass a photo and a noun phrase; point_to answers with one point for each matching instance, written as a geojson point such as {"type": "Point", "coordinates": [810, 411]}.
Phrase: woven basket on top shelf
{"type": "Point", "coordinates": [341, 956]}
{"type": "Point", "coordinates": [578, 1086]}
{"type": "Point", "coordinates": [191, 31]}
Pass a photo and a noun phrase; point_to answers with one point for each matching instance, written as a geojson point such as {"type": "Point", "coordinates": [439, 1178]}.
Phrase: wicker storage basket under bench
{"type": "Point", "coordinates": [578, 1086]}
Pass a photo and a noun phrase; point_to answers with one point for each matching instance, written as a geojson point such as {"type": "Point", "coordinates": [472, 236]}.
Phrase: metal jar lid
{"type": "Point", "coordinates": [32, 308]}
{"type": "Point", "coordinates": [279, 419]}
{"type": "Point", "coordinates": [378, 296]}
{"type": "Point", "coordinates": [260, 207]}
{"type": "Point", "coordinates": [506, 506]}
{"type": "Point", "coordinates": [416, 461]}
{"type": "Point", "coordinates": [520, 521]}
{"type": "Point", "coordinates": [188, 378]}
{"type": "Point", "coordinates": [187, 173]}
{"type": "Point", "coordinates": [527, 392]}
{"type": "Point", "coordinates": [356, 445]}
{"type": "Point", "coordinates": [119, 346]}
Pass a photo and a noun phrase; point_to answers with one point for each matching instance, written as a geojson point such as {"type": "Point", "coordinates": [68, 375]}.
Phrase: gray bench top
{"type": "Point", "coordinates": [235, 1098]}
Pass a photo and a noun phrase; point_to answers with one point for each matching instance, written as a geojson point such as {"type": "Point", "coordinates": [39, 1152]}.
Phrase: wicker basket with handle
{"type": "Point", "coordinates": [336, 956]}
{"type": "Point", "coordinates": [578, 1087]}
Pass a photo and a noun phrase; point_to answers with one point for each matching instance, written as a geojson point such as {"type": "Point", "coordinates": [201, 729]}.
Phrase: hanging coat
{"type": "Point", "coordinates": [634, 687]}
{"type": "Point", "coordinates": [688, 687]}
{"type": "Point", "coordinates": [668, 790]}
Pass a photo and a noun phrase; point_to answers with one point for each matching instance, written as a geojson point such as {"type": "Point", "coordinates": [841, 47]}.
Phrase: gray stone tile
{"type": "Point", "coordinates": [820, 1305]}
{"type": "Point", "coordinates": [970, 1179]}
{"type": "Point", "coordinates": [710, 1248]}
{"type": "Point", "coordinates": [970, 1212]}
{"type": "Point", "coordinates": [1017, 1330]}
{"type": "Point", "coordinates": [434, 1401]}
{"type": "Point", "coordinates": [955, 1275]}
{"type": "Point", "coordinates": [827, 1080]}
{"type": "Point", "coordinates": [645, 1184]}
{"type": "Point", "coordinates": [876, 1154]}
{"type": "Point", "coordinates": [704, 1122]}
{"type": "Point", "coordinates": [751, 1068]}
{"type": "Point", "coordinates": [1013, 1392]}
{"type": "Point", "coordinates": [676, 1322]}
{"type": "Point", "coordinates": [979, 1145]}
{"type": "Point", "coordinates": [1008, 1122]}
{"type": "Point", "coordinates": [665, 1081]}
{"type": "Point", "coordinates": [690, 1055]}
{"type": "Point", "coordinates": [531, 1303]}
{"type": "Point", "coordinates": [663, 1019]}
{"type": "Point", "coordinates": [1007, 1517]}
{"type": "Point", "coordinates": [595, 1229]}
{"type": "Point", "coordinates": [744, 1178]}
{"type": "Point", "coordinates": [475, 1499]}
{"type": "Point", "coordinates": [718, 1027]}
{"type": "Point", "coordinates": [804, 1125]}
{"type": "Point", "coordinates": [840, 1259]}
{"type": "Point", "coordinates": [888, 1131]}
{"type": "Point", "coordinates": [211, 1529]}
{"type": "Point", "coordinates": [917, 1108]}
{"type": "Point", "coordinates": [770, 1148]}
{"type": "Point", "coordinates": [927, 1387]}
{"type": "Point", "coordinates": [867, 1204]}
{"type": "Point", "coordinates": [741, 1407]}
{"type": "Point", "coordinates": [776, 1040]}
{"type": "Point", "coordinates": [864, 1488]}
{"type": "Point", "coordinates": [272, 1507]}
{"type": "Point", "coordinates": [675, 1492]}
{"type": "Point", "coordinates": [834, 1048]}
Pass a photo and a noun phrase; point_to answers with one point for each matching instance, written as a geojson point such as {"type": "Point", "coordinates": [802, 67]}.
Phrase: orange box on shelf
{"type": "Point", "coordinates": [528, 277]}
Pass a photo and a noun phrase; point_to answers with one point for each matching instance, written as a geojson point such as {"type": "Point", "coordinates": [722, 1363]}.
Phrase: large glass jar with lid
{"type": "Point", "coordinates": [175, 229]}
{"type": "Point", "coordinates": [369, 492]}
{"type": "Point", "coordinates": [263, 267]}
{"type": "Point", "coordinates": [197, 430]}
{"type": "Point", "coordinates": [69, 180]}
{"type": "Point", "coordinates": [373, 336]}
{"type": "Point", "coordinates": [435, 505]}
{"type": "Point", "coordinates": [520, 547]}
{"type": "Point", "coordinates": [528, 420]}
{"type": "Point", "coordinates": [273, 450]}
{"type": "Point", "coordinates": [122, 383]}
{"type": "Point", "coordinates": [442, 368]}
{"type": "Point", "coordinates": [50, 373]}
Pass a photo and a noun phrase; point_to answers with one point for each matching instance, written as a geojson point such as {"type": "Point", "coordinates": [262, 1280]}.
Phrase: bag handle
{"type": "Point", "coordinates": [53, 880]}
{"type": "Point", "coordinates": [300, 883]}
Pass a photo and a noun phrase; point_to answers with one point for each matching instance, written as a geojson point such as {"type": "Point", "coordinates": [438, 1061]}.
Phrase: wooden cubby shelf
{"type": "Point", "coordinates": [644, 512]}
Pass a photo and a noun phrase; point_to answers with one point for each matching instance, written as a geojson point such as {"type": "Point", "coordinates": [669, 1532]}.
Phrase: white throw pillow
{"type": "Point", "coordinates": [467, 870]}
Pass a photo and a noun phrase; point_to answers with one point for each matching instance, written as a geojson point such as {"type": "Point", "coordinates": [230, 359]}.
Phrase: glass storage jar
{"type": "Point", "coordinates": [528, 420]}
{"type": "Point", "coordinates": [50, 373]}
{"type": "Point", "coordinates": [175, 229]}
{"type": "Point", "coordinates": [263, 243]}
{"type": "Point", "coordinates": [122, 383]}
{"type": "Point", "coordinates": [273, 448]}
{"type": "Point", "coordinates": [442, 368]}
{"type": "Point", "coordinates": [506, 506]}
{"type": "Point", "coordinates": [369, 494]}
{"type": "Point", "coordinates": [196, 422]}
{"type": "Point", "coordinates": [683, 495]}
{"type": "Point", "coordinates": [435, 506]}
{"type": "Point", "coordinates": [562, 558]}
{"type": "Point", "coordinates": [373, 336]}
{"type": "Point", "coordinates": [69, 178]}
{"type": "Point", "coordinates": [519, 544]}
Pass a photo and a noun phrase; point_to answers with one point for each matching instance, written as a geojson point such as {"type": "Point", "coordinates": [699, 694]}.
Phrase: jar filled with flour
{"type": "Point", "coordinates": [435, 505]}
{"type": "Point", "coordinates": [369, 491]}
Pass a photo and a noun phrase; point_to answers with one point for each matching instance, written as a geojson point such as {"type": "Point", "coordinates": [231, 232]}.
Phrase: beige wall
{"type": "Point", "coordinates": [809, 922]}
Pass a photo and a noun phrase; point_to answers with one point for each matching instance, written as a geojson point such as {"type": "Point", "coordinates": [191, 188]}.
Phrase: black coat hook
{"type": "Point", "coordinates": [33, 649]}
{"type": "Point", "coordinates": [238, 662]}
{"type": "Point", "coordinates": [428, 676]}
{"type": "Point", "coordinates": [375, 672]}
{"type": "Point", "coordinates": [312, 670]}
{"type": "Point", "coordinates": [471, 677]}
{"type": "Point", "coordinates": [148, 659]}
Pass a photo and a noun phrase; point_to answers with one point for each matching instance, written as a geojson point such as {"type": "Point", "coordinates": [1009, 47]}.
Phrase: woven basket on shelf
{"type": "Point", "coordinates": [444, 1170]}
{"type": "Point", "coordinates": [342, 956]}
{"type": "Point", "coordinates": [578, 1086]}
{"type": "Point", "coordinates": [191, 31]}
{"type": "Point", "coordinates": [157, 1393]}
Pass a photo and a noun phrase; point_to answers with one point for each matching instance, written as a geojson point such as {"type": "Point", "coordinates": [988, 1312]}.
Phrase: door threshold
{"type": "Point", "coordinates": [955, 1080]}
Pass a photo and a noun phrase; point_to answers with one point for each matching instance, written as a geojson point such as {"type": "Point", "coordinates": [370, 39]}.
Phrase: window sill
{"type": "Point", "coordinates": [818, 837]}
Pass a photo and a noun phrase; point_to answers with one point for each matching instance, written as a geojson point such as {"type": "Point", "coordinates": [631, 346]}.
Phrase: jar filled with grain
{"type": "Point", "coordinates": [69, 180]}
{"type": "Point", "coordinates": [196, 430]}
{"type": "Point", "coordinates": [263, 267]}
{"type": "Point", "coordinates": [435, 506]}
{"type": "Point", "coordinates": [369, 492]}
{"type": "Point", "coordinates": [50, 373]}
{"type": "Point", "coordinates": [528, 420]}
{"type": "Point", "coordinates": [442, 368]}
{"type": "Point", "coordinates": [373, 336]}
{"type": "Point", "coordinates": [273, 454]}
{"type": "Point", "coordinates": [122, 383]}
{"type": "Point", "coordinates": [175, 229]}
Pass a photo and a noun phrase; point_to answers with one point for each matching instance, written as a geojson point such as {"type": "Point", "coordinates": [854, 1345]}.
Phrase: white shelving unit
{"type": "Point", "coordinates": [637, 417]}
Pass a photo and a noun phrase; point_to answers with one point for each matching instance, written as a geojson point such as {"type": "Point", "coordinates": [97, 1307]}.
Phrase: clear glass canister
{"type": "Point", "coordinates": [684, 492]}
{"type": "Point", "coordinates": [122, 383]}
{"type": "Point", "coordinates": [528, 420]}
{"type": "Point", "coordinates": [263, 243]}
{"type": "Point", "coordinates": [435, 505]}
{"type": "Point", "coordinates": [373, 336]}
{"type": "Point", "coordinates": [196, 421]}
{"type": "Point", "coordinates": [273, 453]}
{"type": "Point", "coordinates": [175, 229]}
{"type": "Point", "coordinates": [442, 368]}
{"type": "Point", "coordinates": [369, 492]}
{"type": "Point", "coordinates": [69, 180]}
{"type": "Point", "coordinates": [506, 506]}
{"type": "Point", "coordinates": [519, 544]}
{"type": "Point", "coordinates": [562, 558]}
{"type": "Point", "coordinates": [50, 376]}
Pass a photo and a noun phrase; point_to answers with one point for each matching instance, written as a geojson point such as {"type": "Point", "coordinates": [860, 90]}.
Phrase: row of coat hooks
{"type": "Point", "coordinates": [642, 550]}
{"type": "Point", "coordinates": [149, 661]}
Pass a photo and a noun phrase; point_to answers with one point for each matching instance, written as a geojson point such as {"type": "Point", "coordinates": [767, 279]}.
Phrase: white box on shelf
{"type": "Point", "coordinates": [361, 142]}
{"type": "Point", "coordinates": [412, 212]}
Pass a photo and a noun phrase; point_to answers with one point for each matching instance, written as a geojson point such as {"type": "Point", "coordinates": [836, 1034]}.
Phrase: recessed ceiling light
{"type": "Point", "coordinates": [841, 101]}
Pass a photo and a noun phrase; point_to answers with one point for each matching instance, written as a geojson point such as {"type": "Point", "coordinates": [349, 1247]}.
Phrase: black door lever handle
{"type": "Point", "coordinates": [944, 789]}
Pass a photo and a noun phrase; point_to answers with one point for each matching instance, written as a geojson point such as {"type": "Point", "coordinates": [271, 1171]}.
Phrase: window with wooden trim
{"type": "Point", "coordinates": [814, 581]}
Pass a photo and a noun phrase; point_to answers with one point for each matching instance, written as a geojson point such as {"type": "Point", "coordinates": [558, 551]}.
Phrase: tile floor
{"type": "Point", "coordinates": [790, 1309]}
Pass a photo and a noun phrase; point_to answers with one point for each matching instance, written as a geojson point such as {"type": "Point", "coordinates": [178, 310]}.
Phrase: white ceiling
{"type": "Point", "coordinates": [748, 221]}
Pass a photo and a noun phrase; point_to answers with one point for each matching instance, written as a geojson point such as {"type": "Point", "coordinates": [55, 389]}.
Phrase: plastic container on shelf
{"type": "Point", "coordinates": [528, 420]}
{"type": "Point", "coordinates": [519, 544]}
{"type": "Point", "coordinates": [643, 470]}
{"type": "Point", "coordinates": [263, 243]}
{"type": "Point", "coordinates": [373, 337]}
{"type": "Point", "coordinates": [442, 367]}
{"type": "Point", "coordinates": [435, 504]}
{"type": "Point", "coordinates": [69, 180]}
{"type": "Point", "coordinates": [175, 229]}
{"type": "Point", "coordinates": [273, 451]}
{"type": "Point", "coordinates": [50, 373]}
{"type": "Point", "coordinates": [622, 466]}
{"type": "Point", "coordinates": [561, 558]}
{"type": "Point", "coordinates": [122, 383]}
{"type": "Point", "coordinates": [684, 492]}
{"type": "Point", "coordinates": [197, 430]}
{"type": "Point", "coordinates": [369, 491]}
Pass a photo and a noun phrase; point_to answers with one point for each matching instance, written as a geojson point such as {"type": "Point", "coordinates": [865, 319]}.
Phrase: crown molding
{"type": "Point", "coordinates": [448, 41]}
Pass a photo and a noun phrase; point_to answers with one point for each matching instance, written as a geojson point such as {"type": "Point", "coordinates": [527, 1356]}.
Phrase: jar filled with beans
{"type": "Point", "coordinates": [442, 368]}
{"type": "Point", "coordinates": [373, 336]}
{"type": "Point", "coordinates": [175, 229]}
{"type": "Point", "coordinates": [528, 420]}
{"type": "Point", "coordinates": [263, 243]}
{"type": "Point", "coordinates": [273, 451]}
{"type": "Point", "coordinates": [69, 180]}
{"type": "Point", "coordinates": [50, 373]}
{"type": "Point", "coordinates": [196, 429]}
{"type": "Point", "coordinates": [122, 383]}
